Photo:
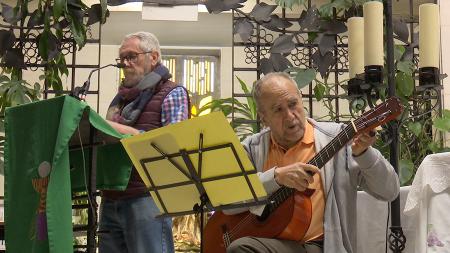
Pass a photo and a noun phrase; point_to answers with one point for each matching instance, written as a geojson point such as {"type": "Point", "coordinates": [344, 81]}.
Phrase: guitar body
{"type": "Point", "coordinates": [288, 214]}
{"type": "Point", "coordinates": [223, 229]}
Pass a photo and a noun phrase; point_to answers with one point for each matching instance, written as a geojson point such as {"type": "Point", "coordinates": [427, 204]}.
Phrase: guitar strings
{"type": "Point", "coordinates": [283, 193]}
{"type": "Point", "coordinates": [251, 218]}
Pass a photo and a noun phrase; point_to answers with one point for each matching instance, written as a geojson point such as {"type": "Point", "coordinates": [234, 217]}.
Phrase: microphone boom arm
{"type": "Point", "coordinates": [81, 92]}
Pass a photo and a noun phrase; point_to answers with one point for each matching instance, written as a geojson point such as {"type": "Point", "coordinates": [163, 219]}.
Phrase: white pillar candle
{"type": "Point", "coordinates": [429, 35]}
{"type": "Point", "coordinates": [355, 46]}
{"type": "Point", "coordinates": [373, 33]}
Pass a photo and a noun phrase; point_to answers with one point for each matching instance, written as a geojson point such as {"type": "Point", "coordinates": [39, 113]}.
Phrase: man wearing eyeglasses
{"type": "Point", "coordinates": [146, 100]}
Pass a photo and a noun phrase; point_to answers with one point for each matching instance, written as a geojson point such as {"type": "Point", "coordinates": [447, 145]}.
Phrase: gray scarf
{"type": "Point", "coordinates": [139, 96]}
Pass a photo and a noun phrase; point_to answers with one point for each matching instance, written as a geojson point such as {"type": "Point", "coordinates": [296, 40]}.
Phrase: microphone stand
{"type": "Point", "coordinates": [81, 92]}
{"type": "Point", "coordinates": [91, 188]}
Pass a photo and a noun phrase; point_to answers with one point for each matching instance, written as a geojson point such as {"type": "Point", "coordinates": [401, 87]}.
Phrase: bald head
{"type": "Point", "coordinates": [280, 107]}
{"type": "Point", "coordinates": [269, 81]}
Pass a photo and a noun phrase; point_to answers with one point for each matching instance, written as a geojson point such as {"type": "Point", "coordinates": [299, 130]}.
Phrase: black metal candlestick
{"type": "Point", "coordinates": [397, 239]}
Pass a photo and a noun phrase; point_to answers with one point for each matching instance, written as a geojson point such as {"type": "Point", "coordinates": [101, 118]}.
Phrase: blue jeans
{"type": "Point", "coordinates": [130, 226]}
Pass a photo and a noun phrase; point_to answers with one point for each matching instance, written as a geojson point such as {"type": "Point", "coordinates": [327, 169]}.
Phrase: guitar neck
{"type": "Point", "coordinates": [333, 147]}
{"type": "Point", "coordinates": [319, 160]}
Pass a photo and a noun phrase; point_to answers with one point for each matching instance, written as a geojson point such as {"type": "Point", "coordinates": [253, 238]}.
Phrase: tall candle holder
{"type": "Point", "coordinates": [356, 89]}
{"type": "Point", "coordinates": [429, 77]}
{"type": "Point", "coordinates": [373, 77]}
{"type": "Point", "coordinates": [373, 74]}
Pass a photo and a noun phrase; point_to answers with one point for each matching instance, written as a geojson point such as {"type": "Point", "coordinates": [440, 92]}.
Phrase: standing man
{"type": "Point", "coordinates": [146, 100]}
{"type": "Point", "coordinates": [280, 153]}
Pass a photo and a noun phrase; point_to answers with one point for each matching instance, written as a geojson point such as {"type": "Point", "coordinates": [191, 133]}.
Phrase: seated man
{"type": "Point", "coordinates": [280, 153]}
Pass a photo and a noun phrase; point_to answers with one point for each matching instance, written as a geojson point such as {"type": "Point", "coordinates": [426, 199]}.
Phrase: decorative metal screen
{"type": "Point", "coordinates": [331, 81]}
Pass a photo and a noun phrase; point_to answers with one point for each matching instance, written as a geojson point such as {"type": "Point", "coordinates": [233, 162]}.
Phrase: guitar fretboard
{"type": "Point", "coordinates": [319, 160]}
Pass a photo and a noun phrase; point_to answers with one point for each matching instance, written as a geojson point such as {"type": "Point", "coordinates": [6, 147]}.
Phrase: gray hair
{"type": "Point", "coordinates": [266, 80]}
{"type": "Point", "coordinates": [148, 42]}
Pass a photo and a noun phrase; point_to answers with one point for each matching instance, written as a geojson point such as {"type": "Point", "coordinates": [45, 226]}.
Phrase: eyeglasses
{"type": "Point", "coordinates": [130, 58]}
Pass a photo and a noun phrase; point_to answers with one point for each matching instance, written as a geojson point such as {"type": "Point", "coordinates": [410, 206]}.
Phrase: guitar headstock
{"type": "Point", "coordinates": [379, 115]}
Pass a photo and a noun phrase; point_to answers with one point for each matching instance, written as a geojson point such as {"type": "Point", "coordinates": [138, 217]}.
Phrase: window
{"type": "Point", "coordinates": [198, 74]}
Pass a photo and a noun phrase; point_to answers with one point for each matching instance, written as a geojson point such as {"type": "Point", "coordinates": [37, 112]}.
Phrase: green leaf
{"type": "Point", "coordinates": [105, 13]}
{"type": "Point", "coordinates": [319, 90]}
{"type": "Point", "coordinates": [43, 45]}
{"type": "Point", "coordinates": [62, 66]}
{"type": "Point", "coordinates": [406, 67]}
{"type": "Point", "coordinates": [37, 86]}
{"type": "Point", "coordinates": [289, 3]}
{"type": "Point", "coordinates": [19, 97]}
{"type": "Point", "coordinates": [305, 77]}
{"type": "Point", "coordinates": [405, 83]}
{"type": "Point", "coordinates": [415, 127]}
{"type": "Point", "coordinates": [57, 84]}
{"type": "Point", "coordinates": [434, 147]}
{"type": "Point", "coordinates": [446, 113]}
{"type": "Point", "coordinates": [243, 86]}
{"type": "Point", "coordinates": [442, 124]}
{"type": "Point", "coordinates": [58, 7]}
{"type": "Point", "coordinates": [4, 78]}
{"type": "Point", "coordinates": [399, 50]}
{"type": "Point", "coordinates": [406, 170]}
{"type": "Point", "coordinates": [326, 10]}
{"type": "Point", "coordinates": [312, 36]}
{"type": "Point", "coordinates": [361, 2]}
{"type": "Point", "coordinates": [77, 27]}
{"type": "Point", "coordinates": [250, 100]}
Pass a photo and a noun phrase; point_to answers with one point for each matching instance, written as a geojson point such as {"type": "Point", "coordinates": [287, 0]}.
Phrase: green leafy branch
{"type": "Point", "coordinates": [50, 20]}
{"type": "Point", "coordinates": [245, 113]}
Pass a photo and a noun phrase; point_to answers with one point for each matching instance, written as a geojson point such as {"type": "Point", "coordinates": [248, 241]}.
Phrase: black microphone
{"type": "Point", "coordinates": [80, 92]}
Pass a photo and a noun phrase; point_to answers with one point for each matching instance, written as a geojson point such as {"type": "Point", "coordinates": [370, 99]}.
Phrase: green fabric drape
{"type": "Point", "coordinates": [41, 173]}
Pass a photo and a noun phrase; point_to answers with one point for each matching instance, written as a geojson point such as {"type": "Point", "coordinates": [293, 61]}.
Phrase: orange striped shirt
{"type": "Point", "coordinates": [303, 151]}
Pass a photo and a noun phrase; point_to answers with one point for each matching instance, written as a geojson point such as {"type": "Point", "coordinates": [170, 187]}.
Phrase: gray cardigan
{"type": "Point", "coordinates": [341, 177]}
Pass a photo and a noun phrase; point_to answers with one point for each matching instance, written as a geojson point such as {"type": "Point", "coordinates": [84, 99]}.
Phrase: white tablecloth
{"type": "Point", "coordinates": [372, 223]}
{"type": "Point", "coordinates": [425, 212]}
{"type": "Point", "coordinates": [428, 204]}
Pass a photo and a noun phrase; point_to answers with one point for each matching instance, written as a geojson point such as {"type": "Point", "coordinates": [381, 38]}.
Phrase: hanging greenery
{"type": "Point", "coordinates": [48, 22]}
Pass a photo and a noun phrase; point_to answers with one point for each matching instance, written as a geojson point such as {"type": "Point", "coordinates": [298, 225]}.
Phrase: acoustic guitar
{"type": "Point", "coordinates": [281, 215]}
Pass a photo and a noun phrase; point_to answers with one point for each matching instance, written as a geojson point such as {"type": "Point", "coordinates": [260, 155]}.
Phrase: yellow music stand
{"type": "Point", "coordinates": [194, 166]}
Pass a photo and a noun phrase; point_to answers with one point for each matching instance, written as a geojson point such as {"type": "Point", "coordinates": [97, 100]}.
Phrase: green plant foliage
{"type": "Point", "coordinates": [406, 168]}
{"type": "Point", "coordinates": [319, 91]}
{"type": "Point", "coordinates": [406, 67]}
{"type": "Point", "coordinates": [443, 123]}
{"type": "Point", "coordinates": [399, 50]}
{"type": "Point", "coordinates": [49, 19]}
{"type": "Point", "coordinates": [326, 10]}
{"type": "Point", "coordinates": [415, 128]}
{"type": "Point", "coordinates": [15, 91]}
{"type": "Point", "coordinates": [245, 114]}
{"type": "Point", "coordinates": [404, 83]}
